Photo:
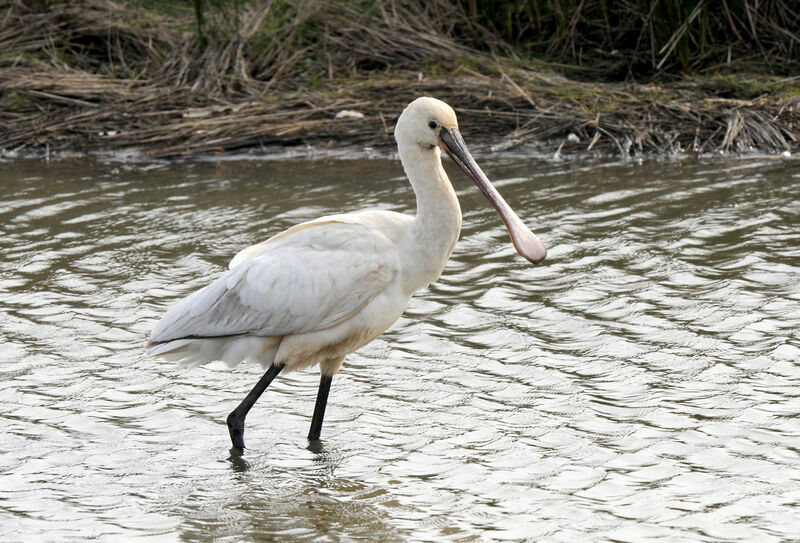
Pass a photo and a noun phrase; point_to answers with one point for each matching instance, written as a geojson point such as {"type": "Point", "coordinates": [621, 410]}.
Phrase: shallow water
{"type": "Point", "coordinates": [641, 385]}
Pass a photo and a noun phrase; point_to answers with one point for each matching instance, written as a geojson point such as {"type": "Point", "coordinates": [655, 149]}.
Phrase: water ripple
{"type": "Point", "coordinates": [641, 385]}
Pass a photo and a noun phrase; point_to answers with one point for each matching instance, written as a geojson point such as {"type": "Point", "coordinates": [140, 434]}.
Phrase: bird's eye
{"type": "Point", "coordinates": [432, 125]}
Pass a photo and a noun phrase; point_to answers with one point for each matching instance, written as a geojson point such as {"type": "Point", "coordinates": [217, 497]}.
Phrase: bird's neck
{"type": "Point", "coordinates": [437, 224]}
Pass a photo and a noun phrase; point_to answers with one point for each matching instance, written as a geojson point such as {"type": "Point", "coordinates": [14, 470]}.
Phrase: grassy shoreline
{"type": "Point", "coordinates": [98, 76]}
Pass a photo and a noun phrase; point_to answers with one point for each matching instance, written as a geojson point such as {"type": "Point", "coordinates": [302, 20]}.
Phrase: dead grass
{"type": "Point", "coordinates": [97, 75]}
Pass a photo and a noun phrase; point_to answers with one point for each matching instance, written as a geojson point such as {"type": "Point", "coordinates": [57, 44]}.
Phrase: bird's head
{"type": "Point", "coordinates": [423, 121]}
{"type": "Point", "coordinates": [431, 124]}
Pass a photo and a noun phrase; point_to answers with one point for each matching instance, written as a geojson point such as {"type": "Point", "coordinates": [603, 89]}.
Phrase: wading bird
{"type": "Point", "coordinates": [323, 288]}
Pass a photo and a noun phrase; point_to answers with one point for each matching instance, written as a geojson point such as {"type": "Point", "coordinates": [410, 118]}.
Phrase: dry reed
{"type": "Point", "coordinates": [94, 76]}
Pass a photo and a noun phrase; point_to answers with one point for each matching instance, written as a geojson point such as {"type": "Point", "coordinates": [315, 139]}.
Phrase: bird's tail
{"type": "Point", "coordinates": [192, 352]}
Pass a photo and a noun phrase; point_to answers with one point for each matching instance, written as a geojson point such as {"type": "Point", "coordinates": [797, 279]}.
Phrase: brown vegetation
{"type": "Point", "coordinates": [98, 75]}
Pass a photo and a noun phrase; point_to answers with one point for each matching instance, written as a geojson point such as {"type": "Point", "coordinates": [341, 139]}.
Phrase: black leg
{"type": "Point", "coordinates": [236, 418]}
{"type": "Point", "coordinates": [319, 408]}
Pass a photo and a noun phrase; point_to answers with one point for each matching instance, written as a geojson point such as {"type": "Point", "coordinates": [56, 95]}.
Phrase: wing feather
{"type": "Point", "coordinates": [309, 279]}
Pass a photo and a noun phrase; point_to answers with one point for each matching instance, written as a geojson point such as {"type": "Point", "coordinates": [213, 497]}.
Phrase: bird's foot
{"type": "Point", "coordinates": [236, 429]}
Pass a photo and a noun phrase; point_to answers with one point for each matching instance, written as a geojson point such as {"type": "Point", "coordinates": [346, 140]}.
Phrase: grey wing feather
{"type": "Point", "coordinates": [310, 280]}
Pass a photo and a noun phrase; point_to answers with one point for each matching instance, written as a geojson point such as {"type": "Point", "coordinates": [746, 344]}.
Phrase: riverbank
{"type": "Point", "coordinates": [100, 76]}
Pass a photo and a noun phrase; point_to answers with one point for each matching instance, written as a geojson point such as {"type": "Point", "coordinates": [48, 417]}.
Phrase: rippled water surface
{"type": "Point", "coordinates": [640, 385]}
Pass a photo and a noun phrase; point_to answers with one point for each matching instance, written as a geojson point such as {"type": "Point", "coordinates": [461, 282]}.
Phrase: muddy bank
{"type": "Point", "coordinates": [96, 76]}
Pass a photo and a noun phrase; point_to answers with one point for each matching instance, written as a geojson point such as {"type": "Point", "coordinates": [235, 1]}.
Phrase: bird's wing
{"type": "Point", "coordinates": [310, 279]}
{"type": "Point", "coordinates": [247, 252]}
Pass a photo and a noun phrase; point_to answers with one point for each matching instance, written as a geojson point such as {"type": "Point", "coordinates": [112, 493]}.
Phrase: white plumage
{"type": "Point", "coordinates": [291, 286]}
{"type": "Point", "coordinates": [322, 289]}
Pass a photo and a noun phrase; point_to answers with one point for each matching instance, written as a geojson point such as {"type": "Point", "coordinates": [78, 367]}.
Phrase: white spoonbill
{"type": "Point", "coordinates": [323, 288]}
